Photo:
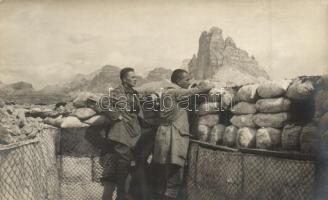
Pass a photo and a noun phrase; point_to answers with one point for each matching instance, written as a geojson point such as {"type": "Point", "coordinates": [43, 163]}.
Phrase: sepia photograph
{"type": "Point", "coordinates": [163, 99]}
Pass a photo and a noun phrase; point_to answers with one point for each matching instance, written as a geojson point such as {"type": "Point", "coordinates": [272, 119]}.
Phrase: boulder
{"type": "Point", "coordinates": [230, 135]}
{"type": "Point", "coordinates": [243, 108]}
{"type": "Point", "coordinates": [216, 134]}
{"type": "Point", "coordinates": [268, 138]}
{"type": "Point", "coordinates": [246, 137]}
{"type": "Point", "coordinates": [290, 139]}
{"type": "Point", "coordinates": [20, 115]}
{"type": "Point", "coordinates": [277, 120]}
{"type": "Point", "coordinates": [5, 136]}
{"type": "Point", "coordinates": [274, 105]}
{"type": "Point", "coordinates": [243, 121]}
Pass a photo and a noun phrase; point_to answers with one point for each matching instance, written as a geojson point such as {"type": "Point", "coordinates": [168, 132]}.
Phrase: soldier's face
{"type": "Point", "coordinates": [185, 81]}
{"type": "Point", "coordinates": [131, 79]}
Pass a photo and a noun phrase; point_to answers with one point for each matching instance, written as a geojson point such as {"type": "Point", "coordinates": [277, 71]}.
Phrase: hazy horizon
{"type": "Point", "coordinates": [45, 42]}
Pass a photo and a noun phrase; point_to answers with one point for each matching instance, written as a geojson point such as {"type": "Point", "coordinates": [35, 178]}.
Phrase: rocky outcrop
{"type": "Point", "coordinates": [107, 77]}
{"type": "Point", "coordinates": [216, 54]}
{"type": "Point", "coordinates": [158, 74]}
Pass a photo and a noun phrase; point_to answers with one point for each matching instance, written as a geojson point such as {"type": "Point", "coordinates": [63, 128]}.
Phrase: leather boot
{"type": "Point", "coordinates": [122, 178]}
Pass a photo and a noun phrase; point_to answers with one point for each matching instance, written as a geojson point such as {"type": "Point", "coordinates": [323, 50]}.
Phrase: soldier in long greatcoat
{"type": "Point", "coordinates": [172, 136]}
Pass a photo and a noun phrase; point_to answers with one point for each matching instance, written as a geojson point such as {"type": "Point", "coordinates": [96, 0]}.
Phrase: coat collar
{"type": "Point", "coordinates": [127, 89]}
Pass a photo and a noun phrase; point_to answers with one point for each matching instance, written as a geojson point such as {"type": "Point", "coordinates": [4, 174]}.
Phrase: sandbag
{"type": "Point", "coordinates": [203, 132]}
{"type": "Point", "coordinates": [247, 93]}
{"type": "Point", "coordinates": [216, 134]}
{"type": "Point", "coordinates": [207, 108]}
{"type": "Point", "coordinates": [300, 90]}
{"type": "Point", "coordinates": [268, 138]}
{"type": "Point", "coordinates": [290, 138]}
{"type": "Point", "coordinates": [83, 113]}
{"type": "Point", "coordinates": [309, 138]}
{"type": "Point", "coordinates": [246, 137]}
{"type": "Point", "coordinates": [243, 108]}
{"type": "Point", "coordinates": [97, 120]}
{"type": "Point", "coordinates": [230, 135]}
{"type": "Point", "coordinates": [72, 122]}
{"type": "Point", "coordinates": [274, 105]}
{"type": "Point", "coordinates": [82, 99]}
{"type": "Point", "coordinates": [228, 98]}
{"type": "Point", "coordinates": [277, 120]}
{"type": "Point", "coordinates": [209, 120]}
{"type": "Point", "coordinates": [273, 89]}
{"type": "Point", "coordinates": [54, 121]}
{"type": "Point", "coordinates": [243, 121]}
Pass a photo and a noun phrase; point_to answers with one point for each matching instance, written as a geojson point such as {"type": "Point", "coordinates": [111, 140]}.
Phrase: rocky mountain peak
{"type": "Point", "coordinates": [216, 30]}
{"type": "Point", "coordinates": [217, 54]}
{"type": "Point", "coordinates": [159, 74]}
{"type": "Point", "coordinates": [230, 43]}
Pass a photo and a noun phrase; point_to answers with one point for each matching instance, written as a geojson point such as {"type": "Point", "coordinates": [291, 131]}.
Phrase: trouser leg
{"type": "Point", "coordinates": [123, 170]}
{"type": "Point", "coordinates": [109, 188]}
{"type": "Point", "coordinates": [141, 174]}
{"type": "Point", "coordinates": [174, 180]}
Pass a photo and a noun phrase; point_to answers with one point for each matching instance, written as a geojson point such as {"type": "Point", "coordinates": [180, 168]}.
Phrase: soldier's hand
{"type": "Point", "coordinates": [205, 85]}
{"type": "Point", "coordinates": [124, 118]}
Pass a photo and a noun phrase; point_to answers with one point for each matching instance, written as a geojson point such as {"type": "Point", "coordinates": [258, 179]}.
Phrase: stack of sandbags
{"type": "Point", "coordinates": [272, 116]}
{"type": "Point", "coordinates": [285, 107]}
{"type": "Point", "coordinates": [84, 112]}
{"type": "Point", "coordinates": [244, 112]}
{"type": "Point", "coordinates": [225, 95]}
{"type": "Point", "coordinates": [205, 124]}
{"type": "Point", "coordinates": [206, 118]}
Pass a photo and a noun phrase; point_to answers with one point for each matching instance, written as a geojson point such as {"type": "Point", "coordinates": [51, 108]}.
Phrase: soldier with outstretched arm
{"type": "Point", "coordinates": [172, 136]}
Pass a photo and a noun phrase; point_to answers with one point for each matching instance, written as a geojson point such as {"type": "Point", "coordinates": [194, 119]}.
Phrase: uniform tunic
{"type": "Point", "coordinates": [128, 106]}
{"type": "Point", "coordinates": [172, 136]}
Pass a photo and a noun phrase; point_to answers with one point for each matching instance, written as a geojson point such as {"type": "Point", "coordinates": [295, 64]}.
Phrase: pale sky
{"type": "Point", "coordinates": [45, 42]}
